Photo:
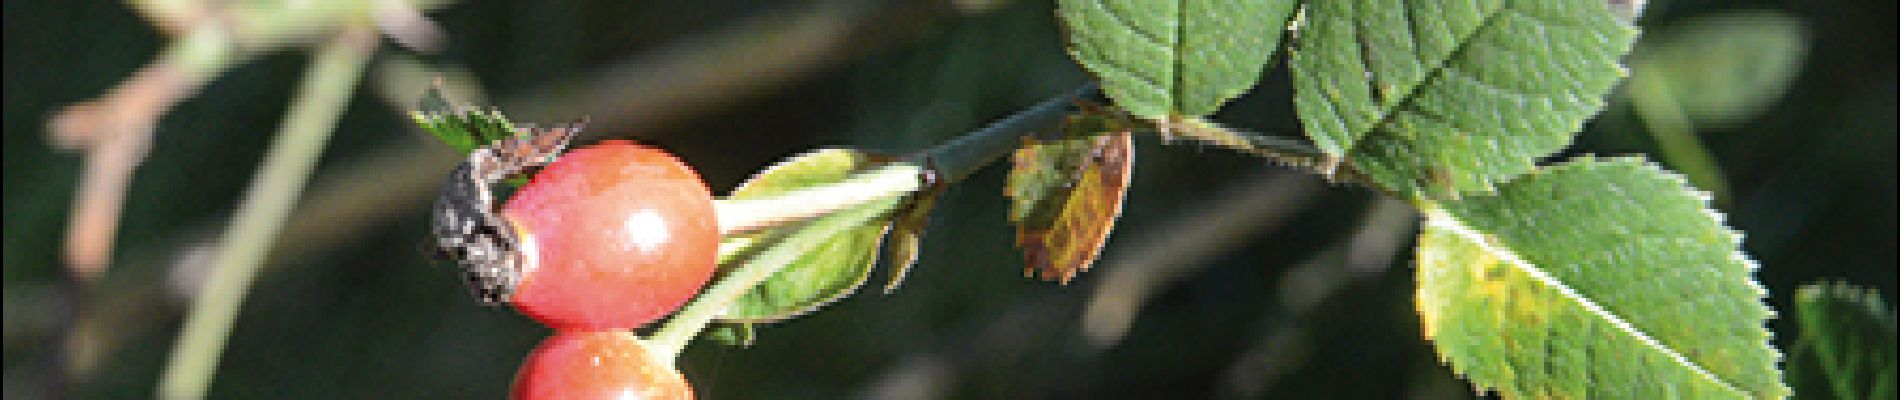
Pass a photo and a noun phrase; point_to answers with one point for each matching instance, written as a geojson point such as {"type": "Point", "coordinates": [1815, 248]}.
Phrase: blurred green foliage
{"type": "Point", "coordinates": [1811, 177]}
{"type": "Point", "coordinates": [1846, 347]}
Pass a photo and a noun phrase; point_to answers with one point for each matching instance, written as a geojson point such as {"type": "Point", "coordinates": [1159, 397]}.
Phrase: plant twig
{"type": "Point", "coordinates": [117, 127]}
{"type": "Point", "coordinates": [958, 158]}
{"type": "Point", "coordinates": [320, 101]}
{"type": "Point", "coordinates": [116, 131]}
{"type": "Point", "coordinates": [1288, 152]}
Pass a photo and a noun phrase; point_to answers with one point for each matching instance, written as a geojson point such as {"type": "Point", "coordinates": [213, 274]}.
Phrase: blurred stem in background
{"type": "Point", "coordinates": [118, 128]}
{"type": "Point", "coordinates": [313, 115]}
{"type": "Point", "coordinates": [1676, 138]}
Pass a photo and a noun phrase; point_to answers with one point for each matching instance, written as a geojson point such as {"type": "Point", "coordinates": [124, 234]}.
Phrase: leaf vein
{"type": "Point", "coordinates": [1131, 74]}
{"type": "Point", "coordinates": [1488, 87]}
{"type": "Point", "coordinates": [1121, 22]}
{"type": "Point", "coordinates": [1179, 51]}
{"type": "Point", "coordinates": [1439, 66]}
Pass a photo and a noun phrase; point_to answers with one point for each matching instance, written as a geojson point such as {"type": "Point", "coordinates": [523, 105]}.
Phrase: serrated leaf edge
{"type": "Point", "coordinates": [1438, 218]}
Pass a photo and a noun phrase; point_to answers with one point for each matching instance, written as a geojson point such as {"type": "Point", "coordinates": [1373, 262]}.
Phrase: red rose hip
{"type": "Point", "coordinates": [614, 236]}
{"type": "Point", "coordinates": [597, 365]}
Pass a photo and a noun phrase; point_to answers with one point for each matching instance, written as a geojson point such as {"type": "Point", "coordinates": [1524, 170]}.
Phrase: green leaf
{"type": "Point", "coordinates": [459, 125]}
{"type": "Point", "coordinates": [828, 270]}
{"type": "Point", "coordinates": [1847, 348]}
{"type": "Point", "coordinates": [1160, 59]}
{"type": "Point", "coordinates": [1440, 97]}
{"type": "Point", "coordinates": [1065, 196]}
{"type": "Point", "coordinates": [1597, 278]}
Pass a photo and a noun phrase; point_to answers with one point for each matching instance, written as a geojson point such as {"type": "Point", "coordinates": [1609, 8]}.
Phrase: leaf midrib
{"type": "Point", "coordinates": [1178, 49]}
{"type": "Point", "coordinates": [1435, 73]}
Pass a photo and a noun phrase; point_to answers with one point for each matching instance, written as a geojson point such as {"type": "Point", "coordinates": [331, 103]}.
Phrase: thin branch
{"type": "Point", "coordinates": [1288, 152]}
{"type": "Point", "coordinates": [117, 128]}
{"type": "Point", "coordinates": [320, 101]}
{"type": "Point", "coordinates": [116, 132]}
{"type": "Point", "coordinates": [958, 158]}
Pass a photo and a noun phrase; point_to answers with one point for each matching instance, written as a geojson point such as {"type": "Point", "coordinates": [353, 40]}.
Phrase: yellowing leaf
{"type": "Point", "coordinates": [1065, 197]}
{"type": "Point", "coordinates": [1594, 279]}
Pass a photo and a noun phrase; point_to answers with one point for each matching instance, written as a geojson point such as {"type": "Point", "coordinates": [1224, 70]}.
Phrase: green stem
{"type": "Point", "coordinates": [320, 101]}
{"type": "Point", "coordinates": [1676, 137]}
{"type": "Point", "coordinates": [956, 159]}
{"type": "Point", "coordinates": [1286, 151]}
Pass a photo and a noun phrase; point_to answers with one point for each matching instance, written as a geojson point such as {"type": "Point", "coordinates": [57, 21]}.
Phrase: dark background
{"type": "Point", "coordinates": [1272, 283]}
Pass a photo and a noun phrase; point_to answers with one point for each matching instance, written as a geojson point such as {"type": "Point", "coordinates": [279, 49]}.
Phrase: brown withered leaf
{"type": "Point", "coordinates": [1065, 196]}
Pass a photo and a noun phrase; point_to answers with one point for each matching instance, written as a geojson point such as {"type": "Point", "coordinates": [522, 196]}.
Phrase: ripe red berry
{"type": "Point", "coordinates": [615, 235]}
{"type": "Point", "coordinates": [597, 365]}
